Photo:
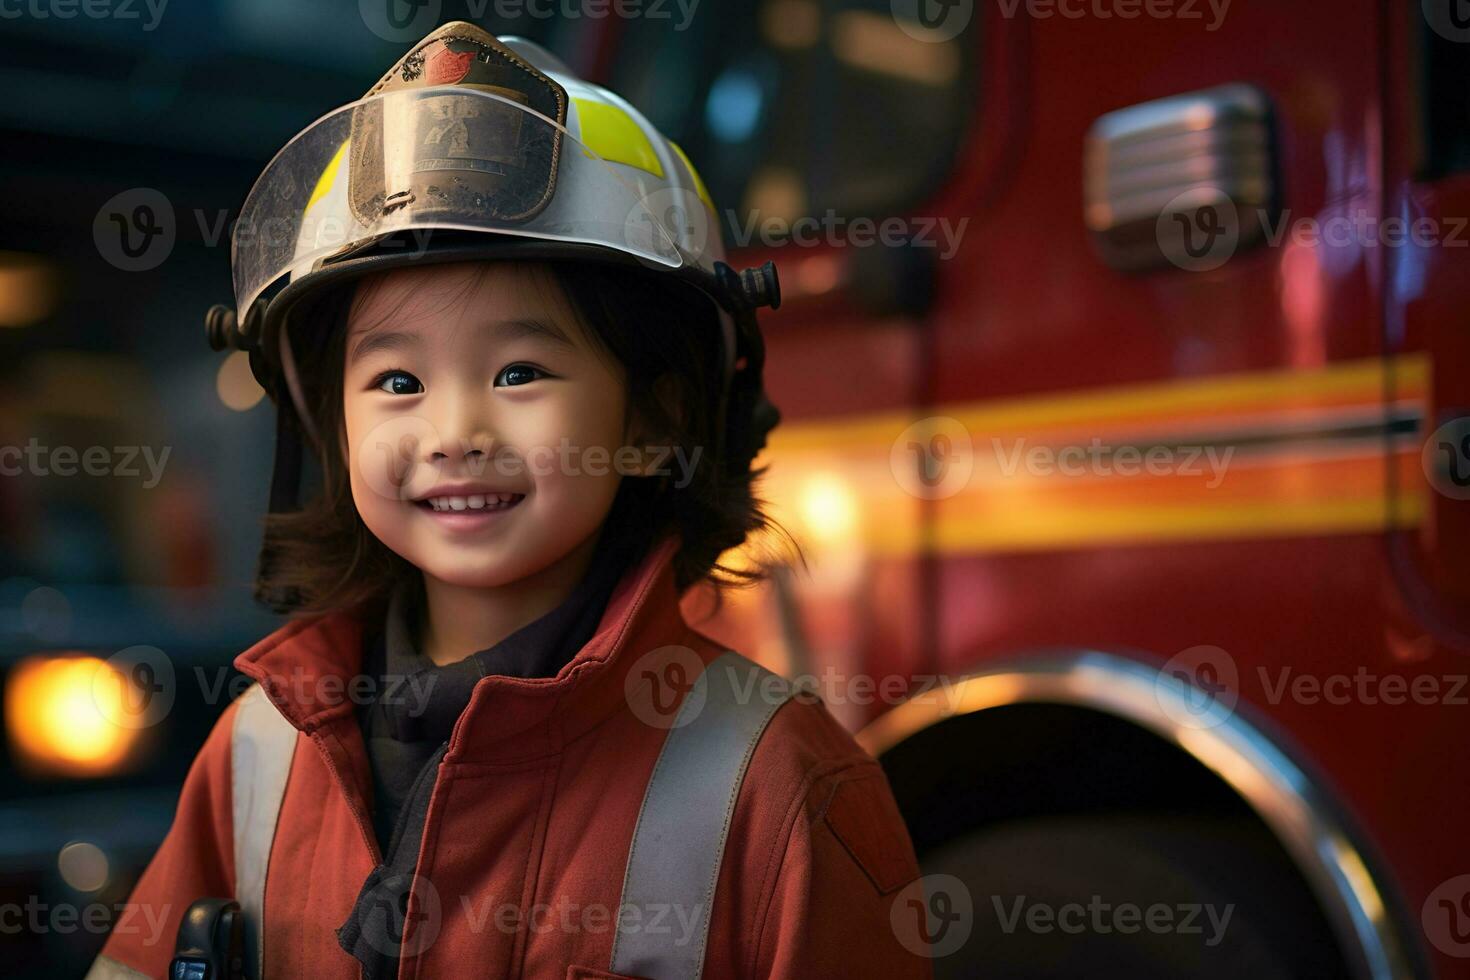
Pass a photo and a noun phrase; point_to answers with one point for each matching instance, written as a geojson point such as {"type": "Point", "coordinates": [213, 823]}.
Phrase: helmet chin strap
{"type": "Point", "coordinates": [286, 471]}
{"type": "Point", "coordinates": [293, 387]}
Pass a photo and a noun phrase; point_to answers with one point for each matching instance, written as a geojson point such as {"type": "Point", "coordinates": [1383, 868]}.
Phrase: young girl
{"type": "Point", "coordinates": [487, 744]}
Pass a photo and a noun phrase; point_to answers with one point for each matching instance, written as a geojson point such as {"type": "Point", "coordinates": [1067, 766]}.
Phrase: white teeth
{"type": "Point", "coordinates": [475, 501]}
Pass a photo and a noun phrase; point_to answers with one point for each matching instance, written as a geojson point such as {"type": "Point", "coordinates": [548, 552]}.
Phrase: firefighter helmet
{"type": "Point", "coordinates": [475, 147]}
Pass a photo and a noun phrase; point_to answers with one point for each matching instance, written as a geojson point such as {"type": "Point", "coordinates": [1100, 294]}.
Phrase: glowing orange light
{"type": "Point", "coordinates": [828, 509]}
{"type": "Point", "coordinates": [59, 711]}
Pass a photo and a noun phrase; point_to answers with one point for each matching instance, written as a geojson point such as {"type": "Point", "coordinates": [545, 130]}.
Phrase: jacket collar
{"type": "Point", "coordinates": [310, 669]}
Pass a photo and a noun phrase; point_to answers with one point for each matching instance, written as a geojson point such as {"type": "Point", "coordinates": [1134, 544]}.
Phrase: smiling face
{"type": "Point", "coordinates": [481, 421]}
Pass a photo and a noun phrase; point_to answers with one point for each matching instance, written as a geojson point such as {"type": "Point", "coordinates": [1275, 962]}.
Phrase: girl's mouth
{"type": "Point", "coordinates": [469, 512]}
{"type": "Point", "coordinates": [470, 503]}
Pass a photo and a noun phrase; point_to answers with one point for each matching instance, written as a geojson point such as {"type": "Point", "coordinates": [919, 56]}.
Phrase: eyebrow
{"type": "Point", "coordinates": [533, 329]}
{"type": "Point", "coordinates": [505, 330]}
{"type": "Point", "coordinates": [382, 340]}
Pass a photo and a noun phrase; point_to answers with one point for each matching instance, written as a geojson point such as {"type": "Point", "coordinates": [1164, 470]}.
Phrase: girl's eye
{"type": "Point", "coordinates": [399, 383]}
{"type": "Point", "coordinates": [518, 374]}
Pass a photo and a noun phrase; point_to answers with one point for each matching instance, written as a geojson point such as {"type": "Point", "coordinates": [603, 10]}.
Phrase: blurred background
{"type": "Point", "coordinates": [1109, 238]}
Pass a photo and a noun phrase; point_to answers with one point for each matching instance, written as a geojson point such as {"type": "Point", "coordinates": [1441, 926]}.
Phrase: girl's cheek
{"type": "Point", "coordinates": [385, 453]}
{"type": "Point", "coordinates": [565, 432]}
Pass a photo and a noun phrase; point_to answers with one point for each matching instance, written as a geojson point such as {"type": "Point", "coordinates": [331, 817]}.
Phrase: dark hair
{"type": "Point", "coordinates": [665, 334]}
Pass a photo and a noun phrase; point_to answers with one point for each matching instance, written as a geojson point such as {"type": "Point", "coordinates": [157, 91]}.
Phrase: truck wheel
{"type": "Point", "coordinates": [1130, 896]}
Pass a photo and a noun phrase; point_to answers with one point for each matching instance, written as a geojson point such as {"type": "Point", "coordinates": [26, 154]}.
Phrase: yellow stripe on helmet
{"type": "Point", "coordinates": [612, 134]}
{"type": "Point", "coordinates": [328, 177]}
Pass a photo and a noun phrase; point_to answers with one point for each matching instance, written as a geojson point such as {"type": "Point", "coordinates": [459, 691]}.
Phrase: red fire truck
{"type": "Point", "coordinates": [1127, 467]}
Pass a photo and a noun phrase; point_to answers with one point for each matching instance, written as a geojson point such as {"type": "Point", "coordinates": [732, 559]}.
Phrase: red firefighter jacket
{"type": "Point", "coordinates": [529, 824]}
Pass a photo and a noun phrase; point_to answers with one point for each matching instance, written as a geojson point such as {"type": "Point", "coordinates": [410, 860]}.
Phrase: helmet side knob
{"type": "Point", "coordinates": [219, 327]}
{"type": "Point", "coordinates": [761, 287]}
{"type": "Point", "coordinates": [751, 288]}
{"type": "Point", "coordinates": [224, 331]}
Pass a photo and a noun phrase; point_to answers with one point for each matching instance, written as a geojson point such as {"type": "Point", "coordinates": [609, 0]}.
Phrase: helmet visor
{"type": "Point", "coordinates": [449, 158]}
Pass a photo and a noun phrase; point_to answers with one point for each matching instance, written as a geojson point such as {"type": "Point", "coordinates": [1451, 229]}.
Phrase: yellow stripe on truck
{"type": "Point", "coordinates": [833, 483]}
{"type": "Point", "coordinates": [1214, 398]}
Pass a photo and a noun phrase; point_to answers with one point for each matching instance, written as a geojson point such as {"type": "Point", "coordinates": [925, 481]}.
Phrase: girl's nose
{"type": "Point", "coordinates": [463, 429]}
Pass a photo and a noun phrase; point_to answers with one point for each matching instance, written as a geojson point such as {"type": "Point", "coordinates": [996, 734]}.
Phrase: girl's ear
{"type": "Point", "coordinates": [650, 435]}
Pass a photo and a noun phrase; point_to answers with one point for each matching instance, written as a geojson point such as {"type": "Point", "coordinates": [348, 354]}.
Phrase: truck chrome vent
{"type": "Point", "coordinates": [1186, 181]}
